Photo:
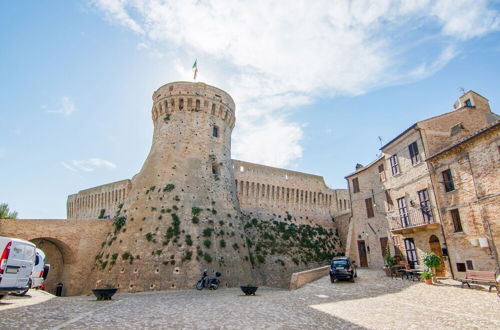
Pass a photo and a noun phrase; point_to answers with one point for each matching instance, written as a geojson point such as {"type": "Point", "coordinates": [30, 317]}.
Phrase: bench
{"type": "Point", "coordinates": [480, 277]}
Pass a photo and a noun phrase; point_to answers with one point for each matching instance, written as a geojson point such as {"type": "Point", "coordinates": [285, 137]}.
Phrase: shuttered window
{"type": "Point", "coordinates": [355, 185]}
{"type": "Point", "coordinates": [394, 164]}
{"type": "Point", "coordinates": [369, 208]}
{"type": "Point", "coordinates": [415, 158]}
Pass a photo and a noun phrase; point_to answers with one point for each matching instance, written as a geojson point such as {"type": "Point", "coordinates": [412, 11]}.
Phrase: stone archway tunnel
{"type": "Point", "coordinates": [70, 247]}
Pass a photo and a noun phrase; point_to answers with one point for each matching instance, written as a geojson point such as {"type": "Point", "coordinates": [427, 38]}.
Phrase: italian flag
{"type": "Point", "coordinates": [195, 69]}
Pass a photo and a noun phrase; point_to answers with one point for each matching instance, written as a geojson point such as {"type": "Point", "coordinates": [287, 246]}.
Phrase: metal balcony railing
{"type": "Point", "coordinates": [412, 218]}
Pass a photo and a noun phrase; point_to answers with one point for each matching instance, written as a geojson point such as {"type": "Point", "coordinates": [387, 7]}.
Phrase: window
{"type": "Point", "coordinates": [355, 185]}
{"type": "Point", "coordinates": [181, 104]}
{"type": "Point", "coordinates": [403, 212]}
{"type": "Point", "coordinates": [425, 206]}
{"type": "Point", "coordinates": [469, 264]}
{"type": "Point", "coordinates": [461, 267]}
{"type": "Point", "coordinates": [448, 181]}
{"type": "Point", "coordinates": [215, 169]}
{"type": "Point", "coordinates": [468, 103]}
{"type": "Point", "coordinates": [369, 208]}
{"type": "Point", "coordinates": [411, 252]}
{"type": "Point", "coordinates": [381, 172]}
{"type": "Point", "coordinates": [415, 159]}
{"type": "Point", "coordinates": [390, 203]}
{"type": "Point", "coordinates": [457, 223]}
{"type": "Point", "coordinates": [456, 129]}
{"type": "Point", "coordinates": [394, 164]}
{"type": "Point", "coordinates": [215, 131]}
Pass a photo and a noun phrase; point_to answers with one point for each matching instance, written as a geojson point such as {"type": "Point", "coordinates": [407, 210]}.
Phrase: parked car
{"type": "Point", "coordinates": [17, 259]}
{"type": "Point", "coordinates": [39, 274]}
{"type": "Point", "coordinates": [343, 268]}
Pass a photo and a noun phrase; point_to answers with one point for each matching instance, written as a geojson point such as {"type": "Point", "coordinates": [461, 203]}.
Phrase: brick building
{"type": "Point", "coordinates": [467, 180]}
{"type": "Point", "coordinates": [368, 235]}
{"type": "Point", "coordinates": [411, 213]}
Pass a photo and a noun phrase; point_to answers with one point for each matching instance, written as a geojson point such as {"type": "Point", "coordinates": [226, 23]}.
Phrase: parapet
{"type": "Point", "coordinates": [195, 97]}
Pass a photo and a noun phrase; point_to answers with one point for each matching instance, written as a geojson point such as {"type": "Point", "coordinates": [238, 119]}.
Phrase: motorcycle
{"type": "Point", "coordinates": [208, 282]}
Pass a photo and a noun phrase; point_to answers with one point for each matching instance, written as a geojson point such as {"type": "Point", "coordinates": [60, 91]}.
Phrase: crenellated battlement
{"type": "Point", "coordinates": [193, 97]}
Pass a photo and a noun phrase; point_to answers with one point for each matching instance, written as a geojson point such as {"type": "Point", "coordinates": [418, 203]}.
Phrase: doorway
{"type": "Point", "coordinates": [436, 248]}
{"type": "Point", "coordinates": [411, 252]}
{"type": "Point", "coordinates": [363, 261]}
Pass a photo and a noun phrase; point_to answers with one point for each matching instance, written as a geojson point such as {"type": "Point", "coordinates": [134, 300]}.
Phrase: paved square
{"type": "Point", "coordinates": [374, 301]}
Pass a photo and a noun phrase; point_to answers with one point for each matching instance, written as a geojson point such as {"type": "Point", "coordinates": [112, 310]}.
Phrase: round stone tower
{"type": "Point", "coordinates": [182, 212]}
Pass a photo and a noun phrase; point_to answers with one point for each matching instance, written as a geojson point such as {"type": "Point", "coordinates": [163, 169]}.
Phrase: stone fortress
{"type": "Point", "coordinates": [193, 207]}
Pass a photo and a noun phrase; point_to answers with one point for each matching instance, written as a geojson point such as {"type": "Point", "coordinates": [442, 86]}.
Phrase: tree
{"type": "Point", "coordinates": [5, 212]}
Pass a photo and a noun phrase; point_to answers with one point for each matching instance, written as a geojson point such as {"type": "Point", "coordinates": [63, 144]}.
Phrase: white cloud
{"type": "Point", "coordinates": [275, 55]}
{"type": "Point", "coordinates": [66, 108]}
{"type": "Point", "coordinates": [88, 165]}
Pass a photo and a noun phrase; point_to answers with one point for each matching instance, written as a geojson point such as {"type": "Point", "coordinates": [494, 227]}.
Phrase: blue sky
{"type": "Point", "coordinates": [320, 80]}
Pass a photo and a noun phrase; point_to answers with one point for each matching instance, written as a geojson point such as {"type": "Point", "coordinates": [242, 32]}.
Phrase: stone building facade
{"type": "Point", "coordinates": [467, 180]}
{"type": "Point", "coordinates": [369, 236]}
{"type": "Point", "coordinates": [412, 210]}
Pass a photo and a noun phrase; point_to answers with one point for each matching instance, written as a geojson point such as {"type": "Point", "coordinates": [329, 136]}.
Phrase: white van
{"type": "Point", "coordinates": [40, 270]}
{"type": "Point", "coordinates": [17, 258]}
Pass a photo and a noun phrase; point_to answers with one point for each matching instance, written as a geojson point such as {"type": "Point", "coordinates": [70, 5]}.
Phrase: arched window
{"type": "Point", "coordinates": [181, 104]}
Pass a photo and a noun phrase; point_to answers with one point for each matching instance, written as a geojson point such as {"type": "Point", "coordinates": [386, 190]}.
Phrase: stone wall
{"type": "Point", "coordinates": [270, 192]}
{"type": "Point", "coordinates": [302, 278]}
{"type": "Point", "coordinates": [70, 247]}
{"type": "Point", "coordinates": [97, 202]}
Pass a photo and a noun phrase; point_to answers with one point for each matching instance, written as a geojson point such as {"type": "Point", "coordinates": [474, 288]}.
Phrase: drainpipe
{"type": "Point", "coordinates": [437, 207]}
{"type": "Point", "coordinates": [486, 223]}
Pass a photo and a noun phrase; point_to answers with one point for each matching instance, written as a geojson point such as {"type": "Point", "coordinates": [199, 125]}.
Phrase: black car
{"type": "Point", "coordinates": [342, 268]}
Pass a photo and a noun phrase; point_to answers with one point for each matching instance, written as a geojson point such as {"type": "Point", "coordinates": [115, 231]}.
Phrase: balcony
{"type": "Point", "coordinates": [414, 220]}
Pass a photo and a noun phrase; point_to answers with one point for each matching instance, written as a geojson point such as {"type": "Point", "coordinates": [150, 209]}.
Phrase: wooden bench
{"type": "Point", "coordinates": [480, 277]}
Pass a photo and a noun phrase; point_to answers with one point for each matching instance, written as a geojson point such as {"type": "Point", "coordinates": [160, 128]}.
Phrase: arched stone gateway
{"type": "Point", "coordinates": [70, 247]}
{"type": "Point", "coordinates": [58, 256]}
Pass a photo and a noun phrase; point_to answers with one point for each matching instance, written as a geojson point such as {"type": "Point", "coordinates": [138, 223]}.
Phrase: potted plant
{"type": "Point", "coordinates": [432, 261]}
{"type": "Point", "coordinates": [105, 293]}
{"type": "Point", "coordinates": [249, 289]}
{"type": "Point", "coordinates": [389, 262]}
{"type": "Point", "coordinates": [427, 276]}
{"type": "Point", "coordinates": [398, 257]}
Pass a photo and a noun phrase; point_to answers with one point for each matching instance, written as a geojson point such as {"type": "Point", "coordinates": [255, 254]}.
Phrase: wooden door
{"type": "Point", "coordinates": [383, 246]}
{"type": "Point", "coordinates": [363, 261]}
{"type": "Point", "coordinates": [436, 248]}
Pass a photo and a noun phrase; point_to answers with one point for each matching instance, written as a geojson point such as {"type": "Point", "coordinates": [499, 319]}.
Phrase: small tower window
{"type": "Point", "coordinates": [468, 103]}
{"type": "Point", "coordinates": [215, 131]}
{"type": "Point", "coordinates": [181, 104]}
{"type": "Point", "coordinates": [215, 169]}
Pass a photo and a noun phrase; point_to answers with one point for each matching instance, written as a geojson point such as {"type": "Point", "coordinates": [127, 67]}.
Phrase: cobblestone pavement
{"type": "Point", "coordinates": [374, 301]}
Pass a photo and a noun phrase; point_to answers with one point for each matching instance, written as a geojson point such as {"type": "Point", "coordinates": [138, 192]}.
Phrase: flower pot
{"type": "Point", "coordinates": [249, 290]}
{"type": "Point", "coordinates": [104, 294]}
{"type": "Point", "coordinates": [428, 281]}
{"type": "Point", "coordinates": [387, 271]}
